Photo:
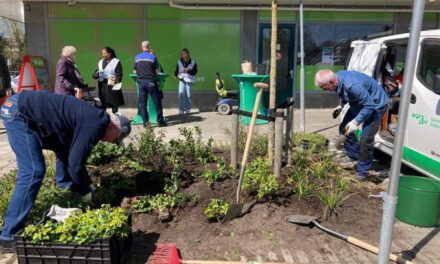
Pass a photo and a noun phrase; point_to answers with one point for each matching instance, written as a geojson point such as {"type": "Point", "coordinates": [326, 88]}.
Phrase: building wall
{"type": "Point", "coordinates": [218, 40]}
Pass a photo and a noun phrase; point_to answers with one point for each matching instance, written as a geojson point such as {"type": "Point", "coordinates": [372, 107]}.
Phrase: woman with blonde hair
{"type": "Point", "coordinates": [68, 76]}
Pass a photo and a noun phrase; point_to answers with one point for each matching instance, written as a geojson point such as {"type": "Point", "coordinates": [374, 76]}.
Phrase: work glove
{"type": "Point", "coordinates": [351, 127]}
{"type": "Point", "coordinates": [89, 197]}
{"type": "Point", "coordinates": [336, 111]}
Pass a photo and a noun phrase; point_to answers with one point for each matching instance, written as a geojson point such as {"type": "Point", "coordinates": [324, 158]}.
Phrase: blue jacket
{"type": "Point", "coordinates": [363, 93]}
{"type": "Point", "coordinates": [66, 125]}
{"type": "Point", "coordinates": [145, 65]}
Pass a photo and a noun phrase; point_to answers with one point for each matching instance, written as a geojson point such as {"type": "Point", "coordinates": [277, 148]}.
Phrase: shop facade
{"type": "Point", "coordinates": [219, 40]}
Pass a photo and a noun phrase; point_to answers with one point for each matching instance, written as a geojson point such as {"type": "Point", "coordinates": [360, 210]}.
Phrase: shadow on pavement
{"type": "Point", "coordinates": [412, 253]}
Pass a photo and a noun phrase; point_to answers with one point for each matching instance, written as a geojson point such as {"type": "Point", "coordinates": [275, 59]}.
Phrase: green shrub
{"type": "Point", "coordinates": [213, 176]}
{"type": "Point", "coordinates": [259, 177]}
{"type": "Point", "coordinates": [82, 227]}
{"type": "Point", "coordinates": [149, 144]}
{"type": "Point", "coordinates": [105, 152]}
{"type": "Point", "coordinates": [159, 202]}
{"type": "Point", "coordinates": [190, 145]}
{"type": "Point", "coordinates": [216, 209]}
{"type": "Point", "coordinates": [317, 143]}
{"type": "Point", "coordinates": [7, 184]}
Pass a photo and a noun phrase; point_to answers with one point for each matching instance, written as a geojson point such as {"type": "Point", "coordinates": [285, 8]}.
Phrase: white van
{"type": "Point", "coordinates": [386, 56]}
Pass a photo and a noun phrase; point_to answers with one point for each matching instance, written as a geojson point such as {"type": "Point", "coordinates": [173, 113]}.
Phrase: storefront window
{"type": "Point", "coordinates": [330, 43]}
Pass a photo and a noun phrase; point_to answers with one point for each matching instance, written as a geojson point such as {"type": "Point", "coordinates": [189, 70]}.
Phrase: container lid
{"type": "Point", "coordinates": [419, 183]}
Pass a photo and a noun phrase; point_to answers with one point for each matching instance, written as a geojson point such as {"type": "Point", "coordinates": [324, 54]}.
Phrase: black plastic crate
{"type": "Point", "coordinates": [111, 250]}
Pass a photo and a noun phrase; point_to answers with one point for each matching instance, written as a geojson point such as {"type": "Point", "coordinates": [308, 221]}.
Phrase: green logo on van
{"type": "Point", "coordinates": [421, 119]}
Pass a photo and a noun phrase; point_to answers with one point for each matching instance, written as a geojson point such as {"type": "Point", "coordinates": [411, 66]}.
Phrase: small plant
{"type": "Point", "coordinates": [82, 227]}
{"type": "Point", "coordinates": [150, 144]}
{"type": "Point", "coordinates": [258, 177]}
{"type": "Point", "coordinates": [104, 153]}
{"type": "Point", "coordinates": [301, 159]}
{"type": "Point", "coordinates": [191, 146]}
{"type": "Point", "coordinates": [332, 198]}
{"type": "Point", "coordinates": [213, 176]}
{"type": "Point", "coordinates": [7, 184]}
{"type": "Point", "coordinates": [317, 143]}
{"type": "Point", "coordinates": [160, 202]}
{"type": "Point", "coordinates": [259, 141]}
{"type": "Point", "coordinates": [216, 209]}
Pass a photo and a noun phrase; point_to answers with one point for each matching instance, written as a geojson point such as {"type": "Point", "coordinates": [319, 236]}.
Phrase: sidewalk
{"type": "Point", "coordinates": [423, 243]}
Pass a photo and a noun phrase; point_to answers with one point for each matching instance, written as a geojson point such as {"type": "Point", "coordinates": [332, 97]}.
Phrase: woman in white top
{"type": "Point", "coordinates": [109, 73]}
{"type": "Point", "coordinates": [186, 69]}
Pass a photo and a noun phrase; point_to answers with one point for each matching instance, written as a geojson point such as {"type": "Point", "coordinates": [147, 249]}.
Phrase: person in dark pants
{"type": "Point", "coordinates": [109, 73]}
{"type": "Point", "coordinates": [68, 76]}
{"type": "Point", "coordinates": [71, 128]}
{"type": "Point", "coordinates": [368, 103]}
{"type": "Point", "coordinates": [146, 67]}
{"type": "Point", "coordinates": [5, 80]}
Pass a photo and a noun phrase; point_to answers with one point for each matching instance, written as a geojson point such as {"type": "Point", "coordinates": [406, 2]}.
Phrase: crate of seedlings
{"type": "Point", "coordinates": [100, 236]}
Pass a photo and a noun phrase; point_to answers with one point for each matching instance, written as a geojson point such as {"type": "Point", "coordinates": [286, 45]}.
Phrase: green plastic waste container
{"type": "Point", "coordinates": [152, 116]}
{"type": "Point", "coordinates": [248, 93]}
{"type": "Point", "coordinates": [418, 201]}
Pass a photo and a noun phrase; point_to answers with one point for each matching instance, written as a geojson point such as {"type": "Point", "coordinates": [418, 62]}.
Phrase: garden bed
{"type": "Point", "coordinates": [167, 187]}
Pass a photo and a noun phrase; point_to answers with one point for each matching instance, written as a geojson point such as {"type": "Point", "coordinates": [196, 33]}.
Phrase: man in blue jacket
{"type": "Point", "coordinates": [146, 67]}
{"type": "Point", "coordinates": [368, 103]}
{"type": "Point", "coordinates": [71, 128]}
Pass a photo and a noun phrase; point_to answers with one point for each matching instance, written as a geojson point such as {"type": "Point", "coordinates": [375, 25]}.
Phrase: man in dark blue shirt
{"type": "Point", "coordinates": [368, 103]}
{"type": "Point", "coordinates": [146, 67]}
{"type": "Point", "coordinates": [71, 128]}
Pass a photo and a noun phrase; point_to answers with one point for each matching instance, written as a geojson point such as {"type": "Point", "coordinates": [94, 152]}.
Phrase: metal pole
{"type": "Point", "coordinates": [301, 71]}
{"type": "Point", "coordinates": [390, 198]}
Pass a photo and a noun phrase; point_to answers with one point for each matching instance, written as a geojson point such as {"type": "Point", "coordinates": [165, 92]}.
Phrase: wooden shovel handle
{"type": "Point", "coordinates": [375, 250]}
{"type": "Point", "coordinates": [248, 141]}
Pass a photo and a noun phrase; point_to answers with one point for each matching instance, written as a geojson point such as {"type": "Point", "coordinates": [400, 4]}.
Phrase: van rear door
{"type": "Point", "coordinates": [364, 56]}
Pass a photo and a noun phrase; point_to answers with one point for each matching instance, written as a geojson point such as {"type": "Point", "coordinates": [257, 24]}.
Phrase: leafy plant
{"type": "Point", "coordinates": [82, 227]}
{"type": "Point", "coordinates": [105, 152]}
{"type": "Point", "coordinates": [259, 141]}
{"type": "Point", "coordinates": [150, 144]}
{"type": "Point", "coordinates": [160, 202]}
{"type": "Point", "coordinates": [190, 145]}
{"type": "Point", "coordinates": [317, 143]}
{"type": "Point", "coordinates": [332, 198]}
{"type": "Point", "coordinates": [213, 176]}
{"type": "Point", "coordinates": [7, 183]}
{"type": "Point", "coordinates": [258, 176]}
{"type": "Point", "coordinates": [216, 209]}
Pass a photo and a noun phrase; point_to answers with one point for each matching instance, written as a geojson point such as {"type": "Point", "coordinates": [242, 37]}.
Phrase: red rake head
{"type": "Point", "coordinates": [166, 254]}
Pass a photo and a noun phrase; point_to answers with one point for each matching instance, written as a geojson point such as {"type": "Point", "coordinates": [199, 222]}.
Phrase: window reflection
{"type": "Point", "coordinates": [329, 44]}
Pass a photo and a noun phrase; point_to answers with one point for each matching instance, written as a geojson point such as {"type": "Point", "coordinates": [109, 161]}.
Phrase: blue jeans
{"type": "Point", "coordinates": [362, 151]}
{"type": "Point", "coordinates": [150, 87]}
{"type": "Point", "coordinates": [184, 96]}
{"type": "Point", "coordinates": [31, 167]}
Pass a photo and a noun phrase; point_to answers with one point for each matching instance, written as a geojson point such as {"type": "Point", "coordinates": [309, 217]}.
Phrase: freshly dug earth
{"type": "Point", "coordinates": [262, 233]}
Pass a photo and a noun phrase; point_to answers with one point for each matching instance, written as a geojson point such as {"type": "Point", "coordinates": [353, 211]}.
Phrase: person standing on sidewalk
{"type": "Point", "coordinates": [5, 80]}
{"type": "Point", "coordinates": [146, 67]}
{"type": "Point", "coordinates": [109, 73]}
{"type": "Point", "coordinates": [186, 69]}
{"type": "Point", "coordinates": [68, 76]}
{"type": "Point", "coordinates": [368, 103]}
{"type": "Point", "coordinates": [37, 120]}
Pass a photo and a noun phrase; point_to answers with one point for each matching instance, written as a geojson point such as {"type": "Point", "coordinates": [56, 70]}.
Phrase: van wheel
{"type": "Point", "coordinates": [224, 109]}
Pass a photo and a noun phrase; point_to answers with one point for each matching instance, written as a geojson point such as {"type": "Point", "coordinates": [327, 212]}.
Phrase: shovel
{"type": "Point", "coordinates": [235, 209]}
{"type": "Point", "coordinates": [308, 220]}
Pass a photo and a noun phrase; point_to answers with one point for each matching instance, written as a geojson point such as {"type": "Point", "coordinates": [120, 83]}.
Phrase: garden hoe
{"type": "Point", "coordinates": [235, 209]}
{"type": "Point", "coordinates": [308, 220]}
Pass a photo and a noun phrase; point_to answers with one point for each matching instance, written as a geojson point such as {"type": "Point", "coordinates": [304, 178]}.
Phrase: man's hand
{"type": "Point", "coordinates": [336, 111]}
{"type": "Point", "coordinates": [351, 127]}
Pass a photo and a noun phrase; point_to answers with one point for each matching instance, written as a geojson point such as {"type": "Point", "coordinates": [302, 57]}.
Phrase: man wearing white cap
{"type": "Point", "coordinates": [71, 128]}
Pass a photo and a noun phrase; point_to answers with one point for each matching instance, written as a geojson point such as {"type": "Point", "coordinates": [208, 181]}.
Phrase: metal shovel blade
{"type": "Point", "coordinates": [233, 211]}
{"type": "Point", "coordinates": [301, 219]}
